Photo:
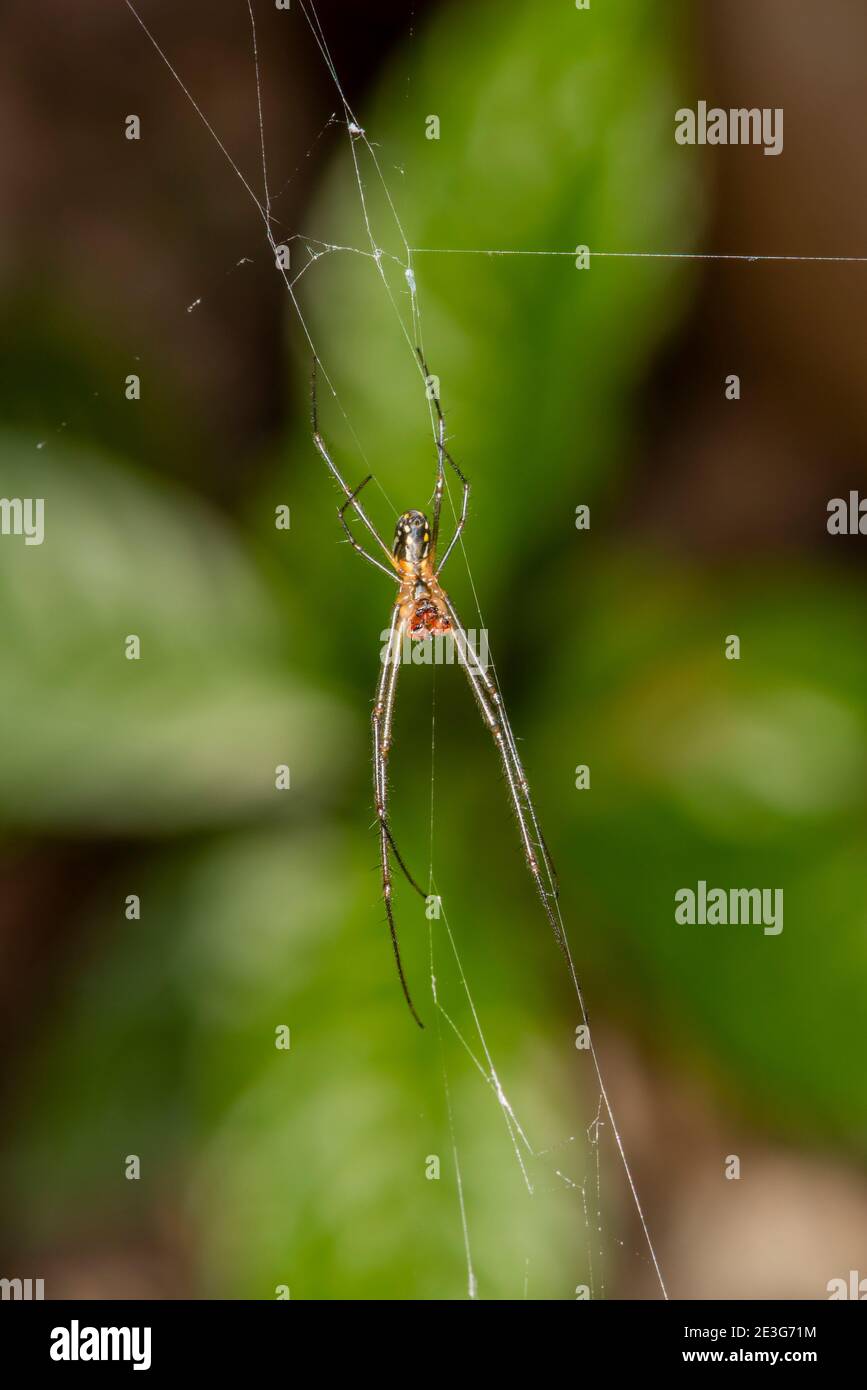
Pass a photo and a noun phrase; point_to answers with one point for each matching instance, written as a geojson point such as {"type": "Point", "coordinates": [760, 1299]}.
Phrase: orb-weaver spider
{"type": "Point", "coordinates": [423, 609]}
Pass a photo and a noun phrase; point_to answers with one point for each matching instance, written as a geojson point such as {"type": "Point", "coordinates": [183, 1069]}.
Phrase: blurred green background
{"type": "Point", "coordinates": [306, 1167]}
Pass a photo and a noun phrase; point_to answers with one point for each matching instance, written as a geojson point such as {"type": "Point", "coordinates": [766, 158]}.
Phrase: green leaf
{"type": "Point", "coordinates": [188, 735]}
{"type": "Point", "coordinates": [745, 773]}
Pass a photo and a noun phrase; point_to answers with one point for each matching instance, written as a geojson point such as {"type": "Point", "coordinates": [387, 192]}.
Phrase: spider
{"type": "Point", "coordinates": [422, 609]}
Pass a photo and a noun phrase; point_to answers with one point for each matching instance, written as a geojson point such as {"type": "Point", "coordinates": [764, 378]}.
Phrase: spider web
{"type": "Point", "coordinates": [470, 1040]}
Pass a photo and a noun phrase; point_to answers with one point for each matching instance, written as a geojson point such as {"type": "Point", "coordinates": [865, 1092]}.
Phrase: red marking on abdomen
{"type": "Point", "coordinates": [428, 621]}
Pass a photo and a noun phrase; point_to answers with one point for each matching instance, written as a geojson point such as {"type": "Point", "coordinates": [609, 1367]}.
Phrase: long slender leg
{"type": "Point", "coordinates": [440, 484]}
{"type": "Point", "coordinates": [351, 498]}
{"type": "Point", "coordinates": [401, 865]}
{"type": "Point", "coordinates": [494, 714]}
{"type": "Point", "coordinates": [379, 764]}
{"type": "Point", "coordinates": [495, 701]}
{"type": "Point", "coordinates": [356, 545]}
{"type": "Point", "coordinates": [383, 718]}
{"type": "Point", "coordinates": [443, 455]}
{"type": "Point", "coordinates": [462, 519]}
{"type": "Point", "coordinates": [441, 439]}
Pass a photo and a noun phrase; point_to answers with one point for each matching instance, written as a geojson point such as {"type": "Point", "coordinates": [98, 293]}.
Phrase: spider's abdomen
{"type": "Point", "coordinates": [427, 620]}
{"type": "Point", "coordinates": [423, 608]}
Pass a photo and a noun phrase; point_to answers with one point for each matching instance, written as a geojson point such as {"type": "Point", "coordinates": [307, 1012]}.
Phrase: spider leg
{"type": "Point", "coordinates": [402, 865]}
{"type": "Point", "coordinates": [444, 456]}
{"type": "Point", "coordinates": [465, 501]}
{"type": "Point", "coordinates": [494, 714]}
{"type": "Point", "coordinates": [356, 545]}
{"type": "Point", "coordinates": [350, 495]}
{"type": "Point", "coordinates": [383, 819]}
{"type": "Point", "coordinates": [382, 720]}
{"type": "Point", "coordinates": [495, 702]}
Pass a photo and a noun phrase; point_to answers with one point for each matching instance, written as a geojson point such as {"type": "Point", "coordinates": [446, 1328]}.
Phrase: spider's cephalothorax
{"type": "Point", "coordinates": [411, 541]}
{"type": "Point", "coordinates": [423, 609]}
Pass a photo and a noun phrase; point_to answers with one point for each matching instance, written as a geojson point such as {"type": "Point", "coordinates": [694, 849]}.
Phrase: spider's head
{"type": "Point", "coordinates": [412, 538]}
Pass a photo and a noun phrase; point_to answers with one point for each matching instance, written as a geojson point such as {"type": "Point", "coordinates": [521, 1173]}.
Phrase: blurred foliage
{"type": "Point", "coordinates": [63, 345]}
{"type": "Point", "coordinates": [742, 773]}
{"type": "Point", "coordinates": [260, 647]}
{"type": "Point", "coordinates": [189, 735]}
